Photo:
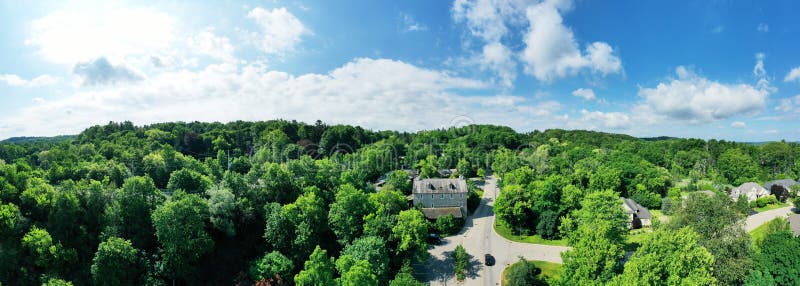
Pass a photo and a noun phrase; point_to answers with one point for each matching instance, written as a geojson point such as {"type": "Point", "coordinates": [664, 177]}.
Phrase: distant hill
{"type": "Point", "coordinates": [39, 139]}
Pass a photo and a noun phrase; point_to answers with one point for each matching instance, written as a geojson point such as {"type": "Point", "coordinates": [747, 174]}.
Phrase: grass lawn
{"type": "Point", "coordinates": [635, 238]}
{"type": "Point", "coordinates": [771, 207]}
{"type": "Point", "coordinates": [536, 239]}
{"type": "Point", "coordinates": [759, 233]}
{"type": "Point", "coordinates": [550, 270]}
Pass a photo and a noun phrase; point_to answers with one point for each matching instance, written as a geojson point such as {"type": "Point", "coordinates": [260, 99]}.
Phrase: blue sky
{"type": "Point", "coordinates": [704, 69]}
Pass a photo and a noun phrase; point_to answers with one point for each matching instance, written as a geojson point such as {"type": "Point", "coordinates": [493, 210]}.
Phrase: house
{"type": "Point", "coordinates": [794, 224]}
{"type": "Point", "coordinates": [638, 216]}
{"type": "Point", "coordinates": [382, 179]}
{"type": "Point", "coordinates": [751, 191]}
{"type": "Point", "coordinates": [782, 189]}
{"type": "Point", "coordinates": [440, 197]}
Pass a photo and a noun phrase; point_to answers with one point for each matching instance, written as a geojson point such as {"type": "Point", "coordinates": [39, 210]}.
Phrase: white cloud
{"type": "Point", "coordinates": [375, 93]}
{"type": "Point", "coordinates": [738, 124]}
{"type": "Point", "coordinates": [793, 75]}
{"type": "Point", "coordinates": [71, 36]}
{"type": "Point", "coordinates": [758, 69]}
{"type": "Point", "coordinates": [585, 93]}
{"type": "Point", "coordinates": [762, 27]}
{"type": "Point", "coordinates": [552, 52]}
{"type": "Point", "coordinates": [17, 81]}
{"type": "Point", "coordinates": [695, 99]}
{"type": "Point", "coordinates": [410, 24]}
{"type": "Point", "coordinates": [206, 43]}
{"type": "Point", "coordinates": [603, 120]}
{"type": "Point", "coordinates": [280, 30]}
{"type": "Point", "coordinates": [789, 104]}
{"type": "Point", "coordinates": [101, 71]}
{"type": "Point", "coordinates": [497, 57]}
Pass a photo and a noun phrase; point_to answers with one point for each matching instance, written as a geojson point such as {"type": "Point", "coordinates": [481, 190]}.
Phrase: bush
{"type": "Point", "coordinates": [473, 200]}
{"type": "Point", "coordinates": [666, 206]}
{"type": "Point", "coordinates": [796, 201]}
{"type": "Point", "coordinates": [547, 227]}
{"type": "Point", "coordinates": [523, 273]}
{"type": "Point", "coordinates": [448, 225]}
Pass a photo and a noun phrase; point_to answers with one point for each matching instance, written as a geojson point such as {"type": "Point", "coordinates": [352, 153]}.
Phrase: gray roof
{"type": "Point", "coordinates": [785, 183]}
{"type": "Point", "coordinates": [794, 224]}
{"type": "Point", "coordinates": [634, 207]}
{"type": "Point", "coordinates": [434, 213]}
{"type": "Point", "coordinates": [440, 186]}
{"type": "Point", "coordinates": [750, 190]}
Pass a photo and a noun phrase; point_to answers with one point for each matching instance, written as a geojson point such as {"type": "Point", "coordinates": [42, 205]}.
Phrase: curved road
{"type": "Point", "coordinates": [758, 219]}
{"type": "Point", "coordinates": [478, 236]}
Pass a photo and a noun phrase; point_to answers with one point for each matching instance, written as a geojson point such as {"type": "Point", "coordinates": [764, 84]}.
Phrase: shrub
{"type": "Point", "coordinates": [523, 273]}
{"type": "Point", "coordinates": [460, 260]}
{"type": "Point", "coordinates": [448, 225]}
{"type": "Point", "coordinates": [547, 227]}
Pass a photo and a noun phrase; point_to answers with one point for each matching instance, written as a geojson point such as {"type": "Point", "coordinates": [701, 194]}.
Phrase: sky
{"type": "Point", "coordinates": [702, 69]}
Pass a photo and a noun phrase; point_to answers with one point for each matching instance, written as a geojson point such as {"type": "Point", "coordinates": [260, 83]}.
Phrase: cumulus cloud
{"type": "Point", "coordinates": [696, 99]}
{"type": "Point", "coordinates": [71, 36]}
{"type": "Point", "coordinates": [498, 57]}
{"type": "Point", "coordinates": [585, 93]}
{"type": "Point", "coordinates": [209, 44]}
{"type": "Point", "coordinates": [280, 30]}
{"type": "Point", "coordinates": [100, 71]}
{"type": "Point", "coordinates": [17, 81]}
{"type": "Point", "coordinates": [738, 124]}
{"type": "Point", "coordinates": [369, 92]}
{"type": "Point", "coordinates": [793, 75]}
{"type": "Point", "coordinates": [602, 120]}
{"type": "Point", "coordinates": [552, 52]}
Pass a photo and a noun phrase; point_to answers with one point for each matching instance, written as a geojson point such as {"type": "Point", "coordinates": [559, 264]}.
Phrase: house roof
{"type": "Point", "coordinates": [440, 186]}
{"type": "Point", "coordinates": [750, 190]}
{"type": "Point", "coordinates": [434, 213]}
{"type": "Point", "coordinates": [794, 224]}
{"type": "Point", "coordinates": [634, 207]}
{"type": "Point", "coordinates": [785, 183]}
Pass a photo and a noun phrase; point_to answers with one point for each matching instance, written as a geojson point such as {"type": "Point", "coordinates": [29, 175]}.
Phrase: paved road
{"type": "Point", "coordinates": [478, 236]}
{"type": "Point", "coordinates": [758, 219]}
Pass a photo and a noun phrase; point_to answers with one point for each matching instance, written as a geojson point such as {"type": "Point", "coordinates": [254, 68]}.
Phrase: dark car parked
{"type": "Point", "coordinates": [434, 239]}
{"type": "Point", "coordinates": [488, 259]}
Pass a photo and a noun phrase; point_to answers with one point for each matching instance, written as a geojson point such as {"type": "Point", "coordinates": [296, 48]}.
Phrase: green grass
{"type": "Point", "coordinates": [771, 207]}
{"type": "Point", "coordinates": [505, 232]}
{"type": "Point", "coordinates": [760, 232]}
{"type": "Point", "coordinates": [550, 270]}
{"type": "Point", "coordinates": [635, 238]}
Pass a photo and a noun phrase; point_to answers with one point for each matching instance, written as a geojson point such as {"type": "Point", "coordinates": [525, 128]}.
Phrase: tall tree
{"type": "Point", "coordinates": [346, 215]}
{"type": "Point", "coordinates": [116, 262]}
{"type": "Point", "coordinates": [410, 234]}
{"type": "Point", "coordinates": [318, 270]}
{"type": "Point", "coordinates": [180, 228]}
{"type": "Point", "coordinates": [670, 258]}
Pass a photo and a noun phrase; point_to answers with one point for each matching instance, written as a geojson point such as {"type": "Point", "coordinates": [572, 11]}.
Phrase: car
{"type": "Point", "coordinates": [488, 259]}
{"type": "Point", "coordinates": [434, 239]}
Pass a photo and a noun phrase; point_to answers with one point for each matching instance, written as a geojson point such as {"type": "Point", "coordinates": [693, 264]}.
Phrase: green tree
{"type": "Point", "coordinates": [411, 233]}
{"type": "Point", "coordinates": [189, 181]}
{"type": "Point", "coordinates": [737, 167]}
{"type": "Point", "coordinates": [136, 201]}
{"type": "Point", "coordinates": [318, 270]}
{"type": "Point", "coordinates": [56, 282]}
{"type": "Point", "coordinates": [460, 262]}
{"type": "Point", "coordinates": [398, 180]}
{"type": "Point", "coordinates": [427, 167]}
{"type": "Point", "coordinates": [523, 273]}
{"type": "Point", "coordinates": [465, 168]}
{"type": "Point", "coordinates": [373, 250]}
{"type": "Point", "coordinates": [670, 258]}
{"type": "Point", "coordinates": [778, 259]}
{"type": "Point", "coordinates": [116, 262]}
{"type": "Point", "coordinates": [221, 207]}
{"type": "Point", "coordinates": [271, 265]}
{"type": "Point", "coordinates": [355, 272]}
{"type": "Point", "coordinates": [598, 209]}
{"type": "Point", "coordinates": [594, 258]}
{"type": "Point", "coordinates": [45, 254]}
{"type": "Point", "coordinates": [346, 216]}
{"type": "Point", "coordinates": [514, 207]}
{"type": "Point", "coordinates": [180, 228]}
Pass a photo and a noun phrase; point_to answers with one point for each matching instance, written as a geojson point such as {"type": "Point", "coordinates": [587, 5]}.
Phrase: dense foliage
{"type": "Point", "coordinates": [284, 202]}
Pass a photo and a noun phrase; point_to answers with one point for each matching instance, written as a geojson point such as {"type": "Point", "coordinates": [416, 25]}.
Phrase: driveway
{"type": "Point", "coordinates": [478, 236]}
{"type": "Point", "coordinates": [758, 219]}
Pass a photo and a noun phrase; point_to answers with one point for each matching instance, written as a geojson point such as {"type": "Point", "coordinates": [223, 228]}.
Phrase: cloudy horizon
{"type": "Point", "coordinates": [701, 70]}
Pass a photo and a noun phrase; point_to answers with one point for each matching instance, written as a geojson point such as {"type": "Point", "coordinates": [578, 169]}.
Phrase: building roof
{"type": "Point", "coordinates": [785, 183]}
{"type": "Point", "coordinates": [794, 224]}
{"type": "Point", "coordinates": [434, 213]}
{"type": "Point", "coordinates": [634, 207]}
{"type": "Point", "coordinates": [440, 186]}
{"type": "Point", "coordinates": [750, 190]}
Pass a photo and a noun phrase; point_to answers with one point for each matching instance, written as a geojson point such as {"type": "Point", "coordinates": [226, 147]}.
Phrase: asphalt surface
{"type": "Point", "coordinates": [479, 238]}
{"type": "Point", "coordinates": [758, 219]}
